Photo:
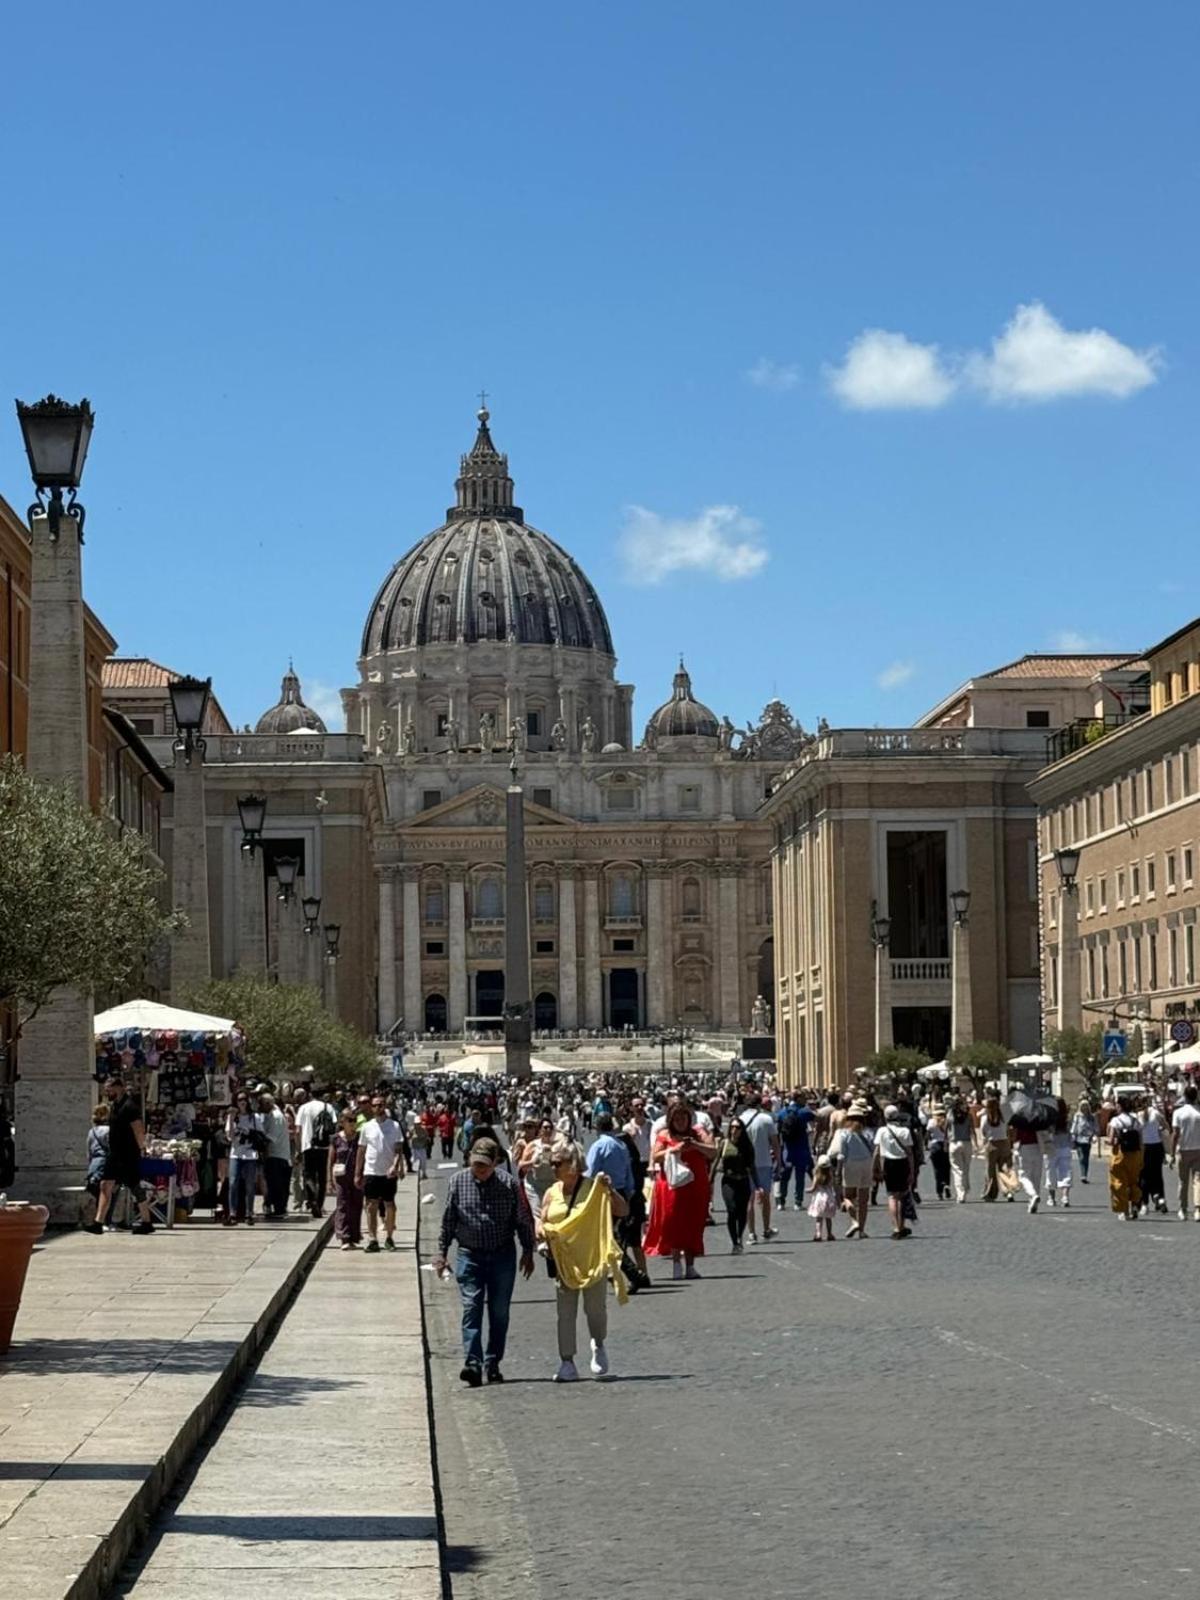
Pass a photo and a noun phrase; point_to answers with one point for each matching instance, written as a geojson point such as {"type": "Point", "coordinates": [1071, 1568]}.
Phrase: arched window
{"type": "Point", "coordinates": [543, 901]}
{"type": "Point", "coordinates": [690, 895]}
{"type": "Point", "coordinates": [622, 900]}
{"type": "Point", "coordinates": [489, 900]}
{"type": "Point", "coordinates": [435, 902]}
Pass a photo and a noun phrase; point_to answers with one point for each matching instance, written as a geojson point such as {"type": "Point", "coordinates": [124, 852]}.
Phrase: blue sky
{"type": "Point", "coordinates": [698, 254]}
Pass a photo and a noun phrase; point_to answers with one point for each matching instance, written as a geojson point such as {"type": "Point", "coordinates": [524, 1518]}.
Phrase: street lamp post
{"type": "Point", "coordinates": [1070, 1010]}
{"type": "Point", "coordinates": [252, 919]}
{"type": "Point", "coordinates": [290, 965]}
{"type": "Point", "coordinates": [518, 1005]}
{"type": "Point", "coordinates": [191, 953]}
{"type": "Point", "coordinates": [333, 937]}
{"type": "Point", "coordinates": [311, 907]}
{"type": "Point", "coordinates": [881, 930]}
{"type": "Point", "coordinates": [57, 1051]}
{"type": "Point", "coordinates": [961, 1025]}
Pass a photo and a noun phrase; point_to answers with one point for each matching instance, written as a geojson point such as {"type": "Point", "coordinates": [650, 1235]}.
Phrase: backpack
{"type": "Point", "coordinates": [1129, 1138]}
{"type": "Point", "coordinates": [322, 1129]}
{"type": "Point", "coordinates": [791, 1128]}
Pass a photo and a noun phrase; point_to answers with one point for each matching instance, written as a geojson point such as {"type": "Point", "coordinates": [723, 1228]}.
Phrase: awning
{"type": "Point", "coordinates": [150, 1017]}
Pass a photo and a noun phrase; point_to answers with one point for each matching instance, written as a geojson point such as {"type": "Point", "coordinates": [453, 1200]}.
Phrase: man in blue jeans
{"type": "Point", "coordinates": [485, 1211]}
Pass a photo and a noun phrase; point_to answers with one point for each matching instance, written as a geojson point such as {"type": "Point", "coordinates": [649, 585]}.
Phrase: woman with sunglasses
{"type": "Point", "coordinates": [584, 1257]}
{"type": "Point", "coordinates": [245, 1133]}
{"type": "Point", "coordinates": [535, 1164]}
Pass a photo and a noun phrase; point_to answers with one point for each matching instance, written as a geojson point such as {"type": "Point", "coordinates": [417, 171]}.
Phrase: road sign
{"type": "Point", "coordinates": [1114, 1044]}
{"type": "Point", "coordinates": [1183, 1032]}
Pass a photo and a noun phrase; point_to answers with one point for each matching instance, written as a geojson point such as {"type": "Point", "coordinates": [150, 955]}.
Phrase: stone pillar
{"type": "Point", "coordinates": [457, 998]}
{"type": "Point", "coordinates": [961, 1026]}
{"type": "Point", "coordinates": [56, 1056]}
{"type": "Point", "coordinates": [292, 954]}
{"type": "Point", "coordinates": [331, 994]}
{"type": "Point", "coordinates": [414, 1010]}
{"type": "Point", "coordinates": [731, 1019]}
{"type": "Point", "coordinates": [883, 997]}
{"type": "Point", "coordinates": [593, 1009]}
{"type": "Point", "coordinates": [250, 954]}
{"type": "Point", "coordinates": [656, 949]}
{"type": "Point", "coordinates": [1070, 978]}
{"type": "Point", "coordinates": [566, 710]}
{"type": "Point", "coordinates": [518, 1021]}
{"type": "Point", "coordinates": [568, 960]}
{"type": "Point", "coordinates": [191, 957]}
{"type": "Point", "coordinates": [387, 947]}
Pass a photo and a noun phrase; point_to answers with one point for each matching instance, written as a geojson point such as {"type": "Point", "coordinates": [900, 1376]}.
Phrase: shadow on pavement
{"type": "Point", "coordinates": [50, 1356]}
{"type": "Point", "coordinates": [305, 1530]}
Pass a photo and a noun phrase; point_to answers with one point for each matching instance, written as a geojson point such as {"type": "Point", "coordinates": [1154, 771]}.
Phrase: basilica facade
{"type": "Point", "coordinates": [487, 648]}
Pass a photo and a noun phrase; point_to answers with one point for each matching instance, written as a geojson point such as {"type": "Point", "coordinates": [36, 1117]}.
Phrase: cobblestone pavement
{"type": "Point", "coordinates": [1002, 1404]}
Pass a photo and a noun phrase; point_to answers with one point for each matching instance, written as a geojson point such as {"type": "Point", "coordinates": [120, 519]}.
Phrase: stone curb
{"type": "Point", "coordinates": [131, 1525]}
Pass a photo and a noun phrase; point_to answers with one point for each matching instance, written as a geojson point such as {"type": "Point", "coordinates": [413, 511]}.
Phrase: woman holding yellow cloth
{"type": "Point", "coordinates": [576, 1226]}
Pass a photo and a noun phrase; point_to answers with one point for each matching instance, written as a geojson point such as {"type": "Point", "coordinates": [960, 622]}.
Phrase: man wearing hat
{"type": "Point", "coordinates": [485, 1211]}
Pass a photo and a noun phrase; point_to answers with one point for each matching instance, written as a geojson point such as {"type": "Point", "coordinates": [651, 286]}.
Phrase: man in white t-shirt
{"type": "Point", "coordinates": [316, 1121]}
{"type": "Point", "coordinates": [1185, 1145]}
{"type": "Point", "coordinates": [380, 1165]}
{"type": "Point", "coordinates": [764, 1136]}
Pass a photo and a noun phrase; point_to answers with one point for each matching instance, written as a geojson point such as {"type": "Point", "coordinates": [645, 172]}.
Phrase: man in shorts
{"type": "Point", "coordinates": [122, 1164]}
{"type": "Point", "coordinates": [380, 1165]}
{"type": "Point", "coordinates": [764, 1136]}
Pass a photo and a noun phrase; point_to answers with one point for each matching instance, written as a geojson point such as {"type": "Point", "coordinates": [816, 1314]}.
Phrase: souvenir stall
{"type": "Point", "coordinates": [179, 1063]}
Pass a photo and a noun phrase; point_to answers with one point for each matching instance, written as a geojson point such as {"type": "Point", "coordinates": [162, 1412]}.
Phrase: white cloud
{"type": "Point", "coordinates": [898, 673]}
{"type": "Point", "coordinates": [1036, 358]}
{"type": "Point", "coordinates": [720, 542]}
{"type": "Point", "coordinates": [1071, 642]}
{"type": "Point", "coordinates": [777, 375]}
{"type": "Point", "coordinates": [326, 701]}
{"type": "Point", "coordinates": [885, 371]}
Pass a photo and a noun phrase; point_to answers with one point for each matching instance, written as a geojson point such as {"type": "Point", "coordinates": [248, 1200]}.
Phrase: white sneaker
{"type": "Point", "coordinates": [1050, 1201]}
{"type": "Point", "coordinates": [1143, 1211]}
{"type": "Point", "coordinates": [1033, 1205]}
{"type": "Point", "coordinates": [567, 1372]}
{"type": "Point", "coordinates": [677, 1270]}
{"type": "Point", "coordinates": [599, 1361]}
{"type": "Point", "coordinates": [1183, 1216]}
{"type": "Point", "coordinates": [752, 1237]}
{"type": "Point", "coordinates": [1196, 1214]}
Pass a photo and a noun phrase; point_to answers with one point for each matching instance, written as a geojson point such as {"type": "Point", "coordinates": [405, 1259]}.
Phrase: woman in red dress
{"type": "Point", "coordinates": [678, 1215]}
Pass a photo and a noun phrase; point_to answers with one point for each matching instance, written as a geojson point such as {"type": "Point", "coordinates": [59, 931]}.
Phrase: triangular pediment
{"type": "Point", "coordinates": [482, 806]}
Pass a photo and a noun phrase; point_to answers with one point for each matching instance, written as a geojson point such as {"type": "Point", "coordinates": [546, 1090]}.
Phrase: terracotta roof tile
{"type": "Point", "coordinates": [1064, 666]}
{"type": "Point", "coordinates": [136, 672]}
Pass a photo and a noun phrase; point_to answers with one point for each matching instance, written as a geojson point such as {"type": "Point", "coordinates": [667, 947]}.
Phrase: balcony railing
{"type": "Point", "coordinates": [921, 969]}
{"type": "Point", "coordinates": [619, 923]}
{"type": "Point", "coordinates": [1087, 730]}
{"type": "Point", "coordinates": [486, 923]}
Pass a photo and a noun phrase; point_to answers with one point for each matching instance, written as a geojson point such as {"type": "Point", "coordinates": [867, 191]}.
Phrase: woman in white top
{"type": "Point", "coordinates": [894, 1146]}
{"type": "Point", "coordinates": [853, 1154]}
{"type": "Point", "coordinates": [1154, 1153]}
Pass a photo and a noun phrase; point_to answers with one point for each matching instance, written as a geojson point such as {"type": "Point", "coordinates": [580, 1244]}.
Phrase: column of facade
{"type": "Point", "coordinates": [657, 937]}
{"type": "Point", "coordinates": [962, 1029]}
{"type": "Point", "coordinates": [292, 954]}
{"type": "Point", "coordinates": [387, 947]}
{"type": "Point", "coordinates": [250, 951]}
{"type": "Point", "coordinates": [568, 958]}
{"type": "Point", "coordinates": [55, 1091]}
{"type": "Point", "coordinates": [191, 957]}
{"type": "Point", "coordinates": [728, 873]}
{"type": "Point", "coordinates": [593, 1010]}
{"type": "Point", "coordinates": [567, 711]}
{"type": "Point", "coordinates": [414, 1010]}
{"type": "Point", "coordinates": [457, 998]}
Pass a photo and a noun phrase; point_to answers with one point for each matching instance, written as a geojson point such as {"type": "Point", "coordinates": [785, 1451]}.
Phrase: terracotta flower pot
{"type": "Point", "coordinates": [21, 1226]}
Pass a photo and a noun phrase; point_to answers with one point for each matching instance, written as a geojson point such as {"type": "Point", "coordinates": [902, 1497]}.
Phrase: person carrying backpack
{"type": "Point", "coordinates": [1125, 1161]}
{"type": "Point", "coordinates": [316, 1122]}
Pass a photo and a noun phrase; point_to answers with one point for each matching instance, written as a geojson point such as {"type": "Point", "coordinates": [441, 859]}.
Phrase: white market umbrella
{"type": "Point", "coordinates": [1031, 1061]}
{"type": "Point", "coordinates": [150, 1017]}
{"type": "Point", "coordinates": [936, 1069]}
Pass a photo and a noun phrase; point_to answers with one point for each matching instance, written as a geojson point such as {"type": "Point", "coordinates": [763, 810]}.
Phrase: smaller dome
{"type": "Point", "coordinates": [291, 715]}
{"type": "Point", "coordinates": [612, 749]}
{"type": "Point", "coordinates": [683, 716]}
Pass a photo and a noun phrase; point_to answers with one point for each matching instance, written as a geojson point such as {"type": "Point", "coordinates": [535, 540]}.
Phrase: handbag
{"type": "Point", "coordinates": [339, 1169]}
{"type": "Point", "coordinates": [548, 1258]}
{"type": "Point", "coordinates": [677, 1172]}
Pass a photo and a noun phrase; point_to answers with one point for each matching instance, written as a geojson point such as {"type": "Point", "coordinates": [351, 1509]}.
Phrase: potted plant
{"type": "Point", "coordinates": [21, 1226]}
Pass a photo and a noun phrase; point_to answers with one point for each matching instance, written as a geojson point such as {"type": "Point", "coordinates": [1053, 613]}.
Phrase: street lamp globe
{"type": "Point", "coordinates": [311, 906]}
{"type": "Point", "coordinates": [333, 935]}
{"type": "Point", "coordinates": [286, 870]}
{"type": "Point", "coordinates": [56, 435]}
{"type": "Point", "coordinates": [1067, 862]}
{"type": "Point", "coordinates": [881, 929]}
{"type": "Point", "coordinates": [252, 812]}
{"type": "Point", "coordinates": [960, 899]}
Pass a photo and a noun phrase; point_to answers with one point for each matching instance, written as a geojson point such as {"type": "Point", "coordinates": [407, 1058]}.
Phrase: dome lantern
{"type": "Point", "coordinates": [290, 714]}
{"type": "Point", "coordinates": [682, 716]}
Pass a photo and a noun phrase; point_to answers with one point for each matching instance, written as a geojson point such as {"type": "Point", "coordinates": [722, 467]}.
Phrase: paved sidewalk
{"type": "Point", "coordinates": [320, 1483]}
{"type": "Point", "coordinates": [125, 1349]}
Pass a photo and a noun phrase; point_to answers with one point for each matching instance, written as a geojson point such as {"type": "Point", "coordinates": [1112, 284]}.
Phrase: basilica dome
{"type": "Point", "coordinates": [682, 716]}
{"type": "Point", "coordinates": [290, 715]}
{"type": "Point", "coordinates": [486, 574]}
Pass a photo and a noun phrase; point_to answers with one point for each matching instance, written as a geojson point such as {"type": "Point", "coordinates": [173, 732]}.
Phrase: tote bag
{"type": "Point", "coordinates": [677, 1171]}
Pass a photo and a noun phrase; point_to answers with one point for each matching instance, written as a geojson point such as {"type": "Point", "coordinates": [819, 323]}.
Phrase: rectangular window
{"type": "Point", "coordinates": [142, 724]}
{"type": "Point", "coordinates": [1089, 897]}
{"type": "Point", "coordinates": [622, 946]}
{"type": "Point", "coordinates": [1037, 719]}
{"type": "Point", "coordinates": [1151, 878]}
{"type": "Point", "coordinates": [1168, 780]}
{"type": "Point", "coordinates": [430, 798]}
{"type": "Point", "coordinates": [443, 722]}
{"type": "Point", "coordinates": [1053, 980]}
{"type": "Point", "coordinates": [544, 797]}
{"type": "Point", "coordinates": [543, 947]}
{"type": "Point", "coordinates": [1103, 894]}
{"type": "Point", "coordinates": [1172, 958]}
{"type": "Point", "coordinates": [1148, 777]}
{"type": "Point", "coordinates": [1054, 908]}
{"type": "Point", "coordinates": [1137, 965]}
{"type": "Point", "coordinates": [1101, 810]}
{"type": "Point", "coordinates": [1187, 866]}
{"type": "Point", "coordinates": [620, 799]}
{"type": "Point", "coordinates": [1154, 961]}
{"type": "Point", "coordinates": [1189, 953]}
{"type": "Point", "coordinates": [1104, 973]}
{"type": "Point", "coordinates": [1123, 965]}
{"type": "Point", "coordinates": [1135, 883]}
{"type": "Point", "coordinates": [689, 797]}
{"type": "Point", "coordinates": [533, 724]}
{"type": "Point", "coordinates": [1185, 772]}
{"type": "Point", "coordinates": [1120, 888]}
{"type": "Point", "coordinates": [1169, 871]}
{"type": "Point", "coordinates": [435, 903]}
{"type": "Point", "coordinates": [1091, 973]}
{"type": "Point", "coordinates": [1119, 798]}
{"type": "Point", "coordinates": [435, 947]}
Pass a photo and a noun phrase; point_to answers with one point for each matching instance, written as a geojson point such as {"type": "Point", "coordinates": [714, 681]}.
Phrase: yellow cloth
{"type": "Point", "coordinates": [582, 1243]}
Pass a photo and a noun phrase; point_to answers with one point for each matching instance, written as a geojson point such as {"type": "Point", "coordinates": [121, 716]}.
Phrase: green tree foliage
{"type": "Point", "coordinates": [982, 1061]}
{"type": "Point", "coordinates": [1081, 1051]}
{"type": "Point", "coordinates": [287, 1028]}
{"type": "Point", "coordinates": [896, 1061]}
{"type": "Point", "coordinates": [80, 908]}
